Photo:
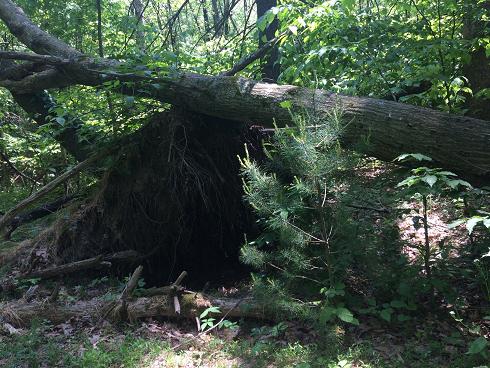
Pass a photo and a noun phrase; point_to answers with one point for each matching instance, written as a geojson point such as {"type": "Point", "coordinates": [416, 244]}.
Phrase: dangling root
{"type": "Point", "coordinates": [173, 195]}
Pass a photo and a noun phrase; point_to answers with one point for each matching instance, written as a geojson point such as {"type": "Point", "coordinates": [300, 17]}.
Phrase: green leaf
{"type": "Point", "coordinates": [286, 104]}
{"type": "Point", "coordinates": [457, 182]}
{"type": "Point", "coordinates": [477, 346]}
{"type": "Point", "coordinates": [403, 318]}
{"type": "Point", "coordinates": [471, 223]}
{"type": "Point", "coordinates": [486, 222]}
{"type": "Point", "coordinates": [346, 315]}
{"type": "Point", "coordinates": [486, 255]}
{"type": "Point", "coordinates": [344, 364]}
{"type": "Point", "coordinates": [386, 314]}
{"type": "Point", "coordinates": [349, 4]}
{"type": "Point", "coordinates": [398, 304]}
{"type": "Point", "coordinates": [326, 314]}
{"type": "Point", "coordinates": [284, 214]}
{"type": "Point", "coordinates": [410, 181]}
{"type": "Point", "coordinates": [446, 173]}
{"type": "Point", "coordinates": [456, 223]}
{"type": "Point", "coordinates": [129, 100]}
{"type": "Point", "coordinates": [417, 156]}
{"type": "Point", "coordinates": [294, 30]}
{"type": "Point", "coordinates": [429, 179]}
{"type": "Point", "coordinates": [264, 21]}
{"type": "Point", "coordinates": [60, 120]}
{"type": "Point", "coordinates": [209, 310]}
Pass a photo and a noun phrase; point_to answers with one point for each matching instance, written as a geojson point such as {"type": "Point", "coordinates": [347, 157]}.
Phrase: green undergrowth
{"type": "Point", "coordinates": [45, 346]}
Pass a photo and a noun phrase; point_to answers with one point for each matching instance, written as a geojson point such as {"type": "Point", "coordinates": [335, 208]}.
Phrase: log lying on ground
{"type": "Point", "coordinates": [19, 313]}
{"type": "Point", "coordinates": [73, 267]}
{"type": "Point", "coordinates": [35, 214]}
{"type": "Point", "coordinates": [389, 128]}
{"type": "Point", "coordinates": [10, 214]}
{"type": "Point", "coordinates": [65, 269]}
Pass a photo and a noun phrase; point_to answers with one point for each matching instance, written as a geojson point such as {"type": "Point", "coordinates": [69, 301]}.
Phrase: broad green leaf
{"type": "Point", "coordinates": [486, 254]}
{"type": "Point", "coordinates": [411, 180]}
{"type": "Point", "coordinates": [477, 346]}
{"type": "Point", "coordinates": [344, 364]}
{"type": "Point", "coordinates": [386, 314]}
{"type": "Point", "coordinates": [486, 222]}
{"type": "Point", "coordinates": [457, 182]}
{"type": "Point", "coordinates": [417, 156]}
{"type": "Point", "coordinates": [446, 173]}
{"type": "Point", "coordinates": [429, 179]}
{"type": "Point", "coordinates": [398, 304]}
{"type": "Point", "coordinates": [456, 223]}
{"type": "Point", "coordinates": [403, 318]}
{"type": "Point", "coordinates": [209, 310]}
{"type": "Point", "coordinates": [60, 120]}
{"type": "Point", "coordinates": [349, 4]}
{"type": "Point", "coordinates": [472, 222]}
{"type": "Point", "coordinates": [346, 315]}
{"type": "Point", "coordinates": [326, 314]}
{"type": "Point", "coordinates": [294, 30]}
{"type": "Point", "coordinates": [129, 100]}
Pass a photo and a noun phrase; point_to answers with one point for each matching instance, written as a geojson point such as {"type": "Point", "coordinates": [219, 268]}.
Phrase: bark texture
{"type": "Point", "coordinates": [191, 305]}
{"type": "Point", "coordinates": [477, 71]}
{"type": "Point", "coordinates": [270, 63]}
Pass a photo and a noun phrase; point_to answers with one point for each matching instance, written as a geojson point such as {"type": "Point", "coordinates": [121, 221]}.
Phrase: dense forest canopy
{"type": "Point", "coordinates": [332, 155]}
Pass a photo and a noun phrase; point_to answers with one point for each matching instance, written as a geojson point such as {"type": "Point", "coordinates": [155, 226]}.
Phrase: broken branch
{"type": "Point", "coordinates": [9, 215]}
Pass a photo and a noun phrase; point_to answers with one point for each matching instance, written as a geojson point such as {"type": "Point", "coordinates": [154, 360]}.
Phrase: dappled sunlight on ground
{"type": "Point", "coordinates": [411, 228]}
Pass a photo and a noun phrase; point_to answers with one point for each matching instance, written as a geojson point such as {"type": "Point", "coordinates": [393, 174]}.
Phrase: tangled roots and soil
{"type": "Point", "coordinates": [174, 195]}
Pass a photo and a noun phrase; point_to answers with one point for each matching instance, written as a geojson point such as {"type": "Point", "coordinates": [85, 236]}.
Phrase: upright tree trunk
{"type": "Point", "coordinates": [478, 69]}
{"type": "Point", "coordinates": [226, 16]}
{"type": "Point", "coordinates": [137, 9]}
{"type": "Point", "coordinates": [216, 17]}
{"type": "Point", "coordinates": [270, 65]}
{"type": "Point", "coordinates": [99, 28]}
{"type": "Point", "coordinates": [205, 16]}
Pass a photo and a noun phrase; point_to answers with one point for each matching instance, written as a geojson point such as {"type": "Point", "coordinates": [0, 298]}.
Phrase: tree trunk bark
{"type": "Point", "coordinates": [191, 305]}
{"type": "Point", "coordinates": [477, 71]}
{"type": "Point", "coordinates": [270, 66]}
{"type": "Point", "coordinates": [137, 9]}
{"type": "Point", "coordinates": [216, 17]}
{"type": "Point", "coordinates": [384, 129]}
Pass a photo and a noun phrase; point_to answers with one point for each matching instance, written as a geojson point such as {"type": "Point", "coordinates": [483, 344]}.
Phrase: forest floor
{"type": "Point", "coordinates": [82, 342]}
{"type": "Point", "coordinates": [157, 342]}
{"type": "Point", "coordinates": [432, 340]}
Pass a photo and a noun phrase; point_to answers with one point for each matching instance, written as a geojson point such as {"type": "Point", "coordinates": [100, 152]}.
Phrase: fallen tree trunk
{"type": "Point", "coordinates": [74, 267]}
{"type": "Point", "coordinates": [35, 214]}
{"type": "Point", "coordinates": [384, 129]}
{"type": "Point", "coordinates": [388, 128]}
{"type": "Point", "coordinates": [19, 313]}
{"type": "Point", "coordinates": [11, 214]}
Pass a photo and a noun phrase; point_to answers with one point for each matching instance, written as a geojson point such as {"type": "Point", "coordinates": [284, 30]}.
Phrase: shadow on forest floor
{"type": "Point", "coordinates": [155, 344]}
